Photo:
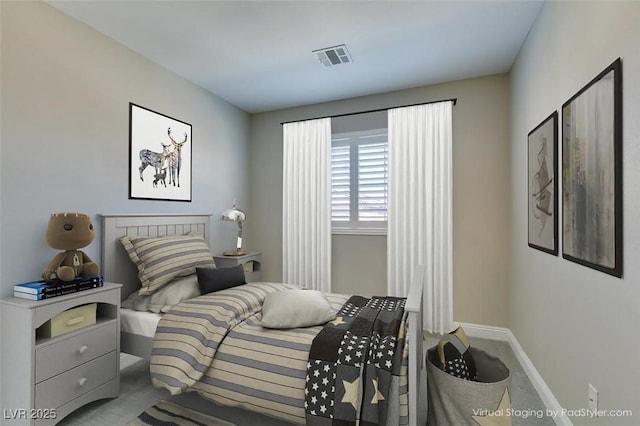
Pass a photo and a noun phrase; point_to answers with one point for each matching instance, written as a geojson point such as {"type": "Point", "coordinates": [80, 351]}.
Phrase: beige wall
{"type": "Point", "coordinates": [480, 202]}
{"type": "Point", "coordinates": [576, 324]}
{"type": "Point", "coordinates": [359, 264]}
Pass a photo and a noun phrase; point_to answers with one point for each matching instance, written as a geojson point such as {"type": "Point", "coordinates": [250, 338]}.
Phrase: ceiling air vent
{"type": "Point", "coordinates": [330, 56]}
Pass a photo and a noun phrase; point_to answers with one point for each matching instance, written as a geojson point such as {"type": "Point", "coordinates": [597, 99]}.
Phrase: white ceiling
{"type": "Point", "coordinates": [258, 54]}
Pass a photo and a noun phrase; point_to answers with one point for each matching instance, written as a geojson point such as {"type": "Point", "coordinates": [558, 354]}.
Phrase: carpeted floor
{"type": "Point", "coordinates": [137, 395]}
{"type": "Point", "coordinates": [165, 412]}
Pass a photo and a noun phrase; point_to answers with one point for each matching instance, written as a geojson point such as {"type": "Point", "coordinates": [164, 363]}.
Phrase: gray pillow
{"type": "Point", "coordinates": [162, 300]}
{"type": "Point", "coordinates": [296, 308]}
{"type": "Point", "coordinates": [216, 279]}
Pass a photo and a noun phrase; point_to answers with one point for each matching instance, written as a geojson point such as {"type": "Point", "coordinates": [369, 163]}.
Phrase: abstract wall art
{"type": "Point", "coordinates": [543, 185]}
{"type": "Point", "coordinates": [592, 173]}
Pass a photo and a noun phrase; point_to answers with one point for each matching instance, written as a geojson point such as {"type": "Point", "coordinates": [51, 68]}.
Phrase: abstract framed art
{"type": "Point", "coordinates": [543, 185]}
{"type": "Point", "coordinates": [159, 156]}
{"type": "Point", "coordinates": [592, 173]}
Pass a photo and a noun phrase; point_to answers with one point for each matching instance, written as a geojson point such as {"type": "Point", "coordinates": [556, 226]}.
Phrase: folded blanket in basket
{"type": "Point", "coordinates": [453, 401]}
{"type": "Point", "coordinates": [454, 355]}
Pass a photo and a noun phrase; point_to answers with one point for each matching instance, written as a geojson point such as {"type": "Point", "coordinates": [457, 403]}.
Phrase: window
{"type": "Point", "coordinates": [359, 187]}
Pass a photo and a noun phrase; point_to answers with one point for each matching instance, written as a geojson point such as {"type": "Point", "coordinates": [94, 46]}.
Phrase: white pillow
{"type": "Point", "coordinates": [162, 300]}
{"type": "Point", "coordinates": [296, 308]}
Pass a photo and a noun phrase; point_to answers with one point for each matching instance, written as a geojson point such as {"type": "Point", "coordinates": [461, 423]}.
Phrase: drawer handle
{"type": "Point", "coordinates": [83, 349]}
{"type": "Point", "coordinates": [76, 320]}
{"type": "Point", "coordinates": [82, 381]}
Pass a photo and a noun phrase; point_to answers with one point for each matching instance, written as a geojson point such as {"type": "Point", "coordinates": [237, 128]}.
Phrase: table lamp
{"type": "Point", "coordinates": [234, 214]}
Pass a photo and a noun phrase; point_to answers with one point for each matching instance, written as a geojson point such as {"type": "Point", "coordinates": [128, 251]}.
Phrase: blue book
{"type": "Point", "coordinates": [30, 296]}
{"type": "Point", "coordinates": [35, 287]}
{"type": "Point", "coordinates": [43, 287]}
{"type": "Point", "coordinates": [58, 291]}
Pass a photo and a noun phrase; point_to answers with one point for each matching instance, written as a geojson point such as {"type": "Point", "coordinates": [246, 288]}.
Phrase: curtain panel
{"type": "Point", "coordinates": [420, 207]}
{"type": "Point", "coordinates": [306, 219]}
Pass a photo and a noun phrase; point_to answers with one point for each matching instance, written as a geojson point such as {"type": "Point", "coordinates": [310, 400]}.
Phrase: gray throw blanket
{"type": "Point", "coordinates": [355, 366]}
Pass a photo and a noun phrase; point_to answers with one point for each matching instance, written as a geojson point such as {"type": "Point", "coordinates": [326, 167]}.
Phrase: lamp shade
{"type": "Point", "coordinates": [234, 214]}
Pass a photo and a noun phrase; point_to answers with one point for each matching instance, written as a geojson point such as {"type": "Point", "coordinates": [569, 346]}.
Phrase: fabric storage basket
{"type": "Point", "coordinates": [70, 320]}
{"type": "Point", "coordinates": [455, 402]}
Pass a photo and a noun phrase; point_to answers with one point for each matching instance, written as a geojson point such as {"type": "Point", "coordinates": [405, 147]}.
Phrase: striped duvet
{"type": "Point", "coordinates": [214, 345]}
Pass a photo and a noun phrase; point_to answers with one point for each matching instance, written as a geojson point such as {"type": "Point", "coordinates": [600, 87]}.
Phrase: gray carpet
{"type": "Point", "coordinates": [137, 394]}
{"type": "Point", "coordinates": [165, 412]}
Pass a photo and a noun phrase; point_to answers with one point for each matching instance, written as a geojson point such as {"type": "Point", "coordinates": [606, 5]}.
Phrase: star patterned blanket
{"type": "Point", "coordinates": [356, 372]}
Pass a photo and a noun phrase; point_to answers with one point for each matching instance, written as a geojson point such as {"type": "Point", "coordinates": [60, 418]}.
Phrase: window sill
{"type": "Point", "coordinates": [359, 231]}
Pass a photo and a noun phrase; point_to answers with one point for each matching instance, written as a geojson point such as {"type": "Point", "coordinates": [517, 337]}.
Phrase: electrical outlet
{"type": "Point", "coordinates": [593, 398]}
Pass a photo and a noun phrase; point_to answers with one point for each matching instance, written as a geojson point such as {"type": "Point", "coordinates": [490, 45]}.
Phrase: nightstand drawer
{"type": "Point", "coordinates": [64, 387]}
{"type": "Point", "coordinates": [66, 353]}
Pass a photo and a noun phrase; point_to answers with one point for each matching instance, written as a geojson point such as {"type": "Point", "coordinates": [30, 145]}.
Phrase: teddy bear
{"type": "Point", "coordinates": [69, 231]}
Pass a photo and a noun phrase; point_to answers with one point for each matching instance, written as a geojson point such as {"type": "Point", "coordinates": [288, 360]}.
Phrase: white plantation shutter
{"type": "Point", "coordinates": [359, 175]}
{"type": "Point", "coordinates": [372, 181]}
{"type": "Point", "coordinates": [340, 182]}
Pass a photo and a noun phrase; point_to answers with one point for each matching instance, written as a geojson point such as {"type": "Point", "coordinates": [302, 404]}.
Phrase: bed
{"type": "Point", "coordinates": [138, 328]}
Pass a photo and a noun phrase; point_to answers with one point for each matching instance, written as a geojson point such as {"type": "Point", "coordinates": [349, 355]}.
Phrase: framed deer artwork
{"type": "Point", "coordinates": [159, 156]}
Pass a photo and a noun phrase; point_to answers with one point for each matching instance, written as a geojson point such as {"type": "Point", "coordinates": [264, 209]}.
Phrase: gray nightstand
{"type": "Point", "coordinates": [46, 378]}
{"type": "Point", "coordinates": [252, 263]}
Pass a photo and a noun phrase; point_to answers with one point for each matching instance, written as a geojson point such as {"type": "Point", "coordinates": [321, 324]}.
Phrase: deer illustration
{"type": "Point", "coordinates": [175, 159]}
{"type": "Point", "coordinates": [154, 159]}
{"type": "Point", "coordinates": [160, 177]}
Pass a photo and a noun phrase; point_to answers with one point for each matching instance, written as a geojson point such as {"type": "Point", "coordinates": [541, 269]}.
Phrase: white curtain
{"type": "Point", "coordinates": [306, 218]}
{"type": "Point", "coordinates": [420, 207]}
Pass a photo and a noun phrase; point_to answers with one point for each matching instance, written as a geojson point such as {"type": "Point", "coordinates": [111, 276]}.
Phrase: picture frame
{"type": "Point", "coordinates": [542, 171]}
{"type": "Point", "coordinates": [592, 173]}
{"type": "Point", "coordinates": [160, 156]}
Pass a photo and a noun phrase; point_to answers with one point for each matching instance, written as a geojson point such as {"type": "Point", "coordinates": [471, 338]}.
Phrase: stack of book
{"type": "Point", "coordinates": [38, 290]}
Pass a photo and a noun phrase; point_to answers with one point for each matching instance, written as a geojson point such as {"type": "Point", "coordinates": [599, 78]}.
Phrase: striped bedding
{"type": "Point", "coordinates": [214, 345]}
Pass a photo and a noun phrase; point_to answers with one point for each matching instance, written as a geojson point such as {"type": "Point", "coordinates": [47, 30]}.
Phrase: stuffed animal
{"type": "Point", "coordinates": [69, 232]}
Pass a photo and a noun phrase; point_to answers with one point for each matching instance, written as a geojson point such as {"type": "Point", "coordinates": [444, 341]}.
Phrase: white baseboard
{"type": "Point", "coordinates": [505, 335]}
{"type": "Point", "coordinates": [485, 331]}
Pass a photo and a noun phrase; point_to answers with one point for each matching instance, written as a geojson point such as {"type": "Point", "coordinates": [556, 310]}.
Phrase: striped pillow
{"type": "Point", "coordinates": [161, 259]}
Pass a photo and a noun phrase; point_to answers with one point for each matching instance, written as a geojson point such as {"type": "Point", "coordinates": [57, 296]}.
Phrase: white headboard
{"type": "Point", "coordinates": [116, 265]}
